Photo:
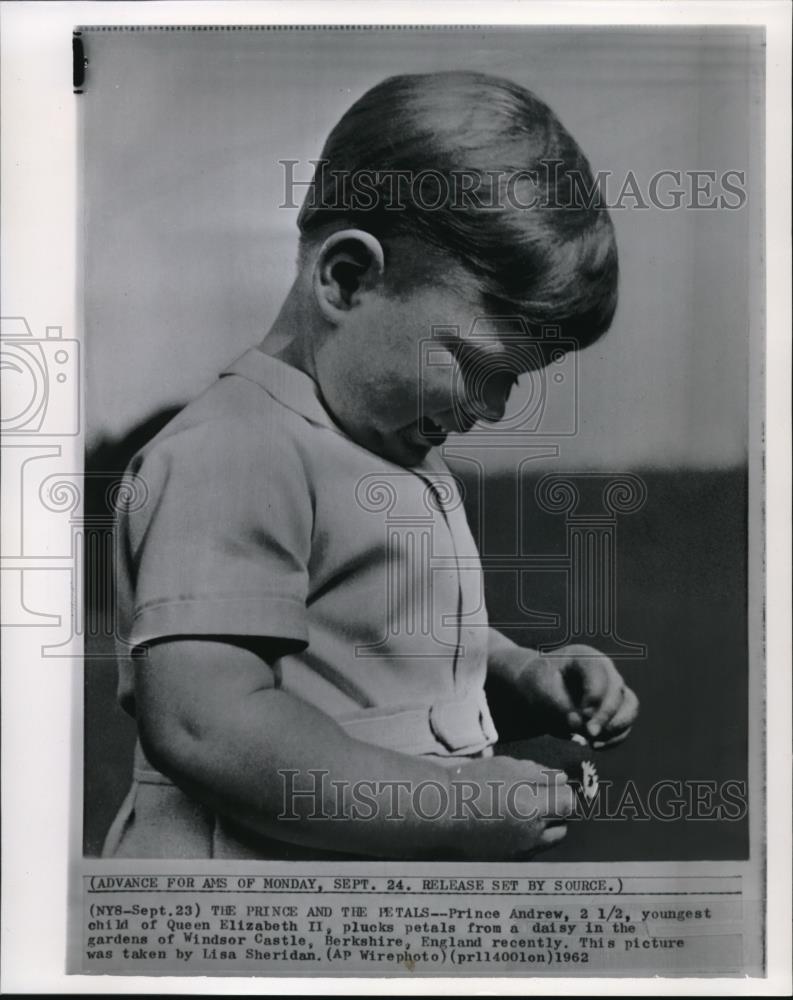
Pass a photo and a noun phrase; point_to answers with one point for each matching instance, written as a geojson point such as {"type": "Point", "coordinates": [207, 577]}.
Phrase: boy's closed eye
{"type": "Point", "coordinates": [486, 378]}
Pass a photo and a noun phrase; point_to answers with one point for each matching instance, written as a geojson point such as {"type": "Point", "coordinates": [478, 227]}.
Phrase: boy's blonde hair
{"type": "Point", "coordinates": [479, 169]}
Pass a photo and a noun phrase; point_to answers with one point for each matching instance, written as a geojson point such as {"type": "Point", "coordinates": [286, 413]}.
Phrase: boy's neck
{"type": "Point", "coordinates": [291, 337]}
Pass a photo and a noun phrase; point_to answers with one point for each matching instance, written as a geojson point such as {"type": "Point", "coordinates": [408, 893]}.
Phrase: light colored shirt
{"type": "Point", "coordinates": [263, 519]}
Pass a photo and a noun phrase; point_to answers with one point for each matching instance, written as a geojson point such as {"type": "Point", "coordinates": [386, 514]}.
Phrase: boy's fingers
{"type": "Point", "coordinates": [607, 744]}
{"type": "Point", "coordinates": [602, 692]}
{"type": "Point", "coordinates": [591, 677]}
{"type": "Point", "coordinates": [553, 834]}
{"type": "Point", "coordinates": [621, 722]}
{"type": "Point", "coordinates": [624, 717]}
{"type": "Point", "coordinates": [552, 685]}
{"type": "Point", "coordinates": [561, 800]}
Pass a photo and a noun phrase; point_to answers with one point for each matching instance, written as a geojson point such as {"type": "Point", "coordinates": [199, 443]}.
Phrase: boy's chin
{"type": "Point", "coordinates": [406, 447]}
{"type": "Point", "coordinates": [412, 444]}
{"type": "Point", "coordinates": [405, 451]}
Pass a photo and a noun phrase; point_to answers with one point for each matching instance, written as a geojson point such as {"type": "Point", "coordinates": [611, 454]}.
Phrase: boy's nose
{"type": "Point", "coordinates": [467, 414]}
{"type": "Point", "coordinates": [492, 410]}
{"type": "Point", "coordinates": [489, 405]}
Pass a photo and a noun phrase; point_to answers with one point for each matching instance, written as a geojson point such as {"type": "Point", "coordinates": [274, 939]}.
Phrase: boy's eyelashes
{"type": "Point", "coordinates": [482, 380]}
{"type": "Point", "coordinates": [482, 371]}
{"type": "Point", "coordinates": [474, 358]}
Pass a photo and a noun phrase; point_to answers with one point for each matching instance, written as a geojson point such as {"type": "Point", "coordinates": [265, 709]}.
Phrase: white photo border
{"type": "Point", "coordinates": [41, 737]}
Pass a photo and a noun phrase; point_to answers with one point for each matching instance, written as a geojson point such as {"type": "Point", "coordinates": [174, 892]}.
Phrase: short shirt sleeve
{"type": "Point", "coordinates": [221, 546]}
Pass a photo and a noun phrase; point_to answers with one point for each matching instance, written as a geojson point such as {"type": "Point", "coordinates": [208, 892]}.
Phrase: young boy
{"type": "Point", "coordinates": [303, 670]}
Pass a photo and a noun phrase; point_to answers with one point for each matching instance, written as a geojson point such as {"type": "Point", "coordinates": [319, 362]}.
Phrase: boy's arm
{"type": "Point", "coordinates": [506, 660]}
{"type": "Point", "coordinates": [211, 719]}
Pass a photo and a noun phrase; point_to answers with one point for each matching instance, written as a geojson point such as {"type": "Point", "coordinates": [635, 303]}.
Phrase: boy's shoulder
{"type": "Point", "coordinates": [258, 408]}
{"type": "Point", "coordinates": [233, 459]}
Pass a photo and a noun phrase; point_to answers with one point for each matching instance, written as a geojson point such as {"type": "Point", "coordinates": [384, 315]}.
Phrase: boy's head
{"type": "Point", "coordinates": [440, 198]}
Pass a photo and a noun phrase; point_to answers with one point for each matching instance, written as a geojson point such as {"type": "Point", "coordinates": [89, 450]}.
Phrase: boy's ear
{"type": "Point", "coordinates": [349, 262]}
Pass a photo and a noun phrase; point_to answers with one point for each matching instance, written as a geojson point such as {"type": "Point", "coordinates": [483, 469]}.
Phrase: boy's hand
{"type": "Point", "coordinates": [522, 807]}
{"type": "Point", "coordinates": [578, 688]}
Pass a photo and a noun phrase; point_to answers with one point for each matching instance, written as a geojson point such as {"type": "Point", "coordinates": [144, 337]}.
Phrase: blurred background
{"type": "Point", "coordinates": [187, 254]}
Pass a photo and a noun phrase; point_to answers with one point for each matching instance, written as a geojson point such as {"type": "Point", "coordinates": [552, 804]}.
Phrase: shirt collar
{"type": "Point", "coordinates": [291, 387]}
{"type": "Point", "coordinates": [300, 393]}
